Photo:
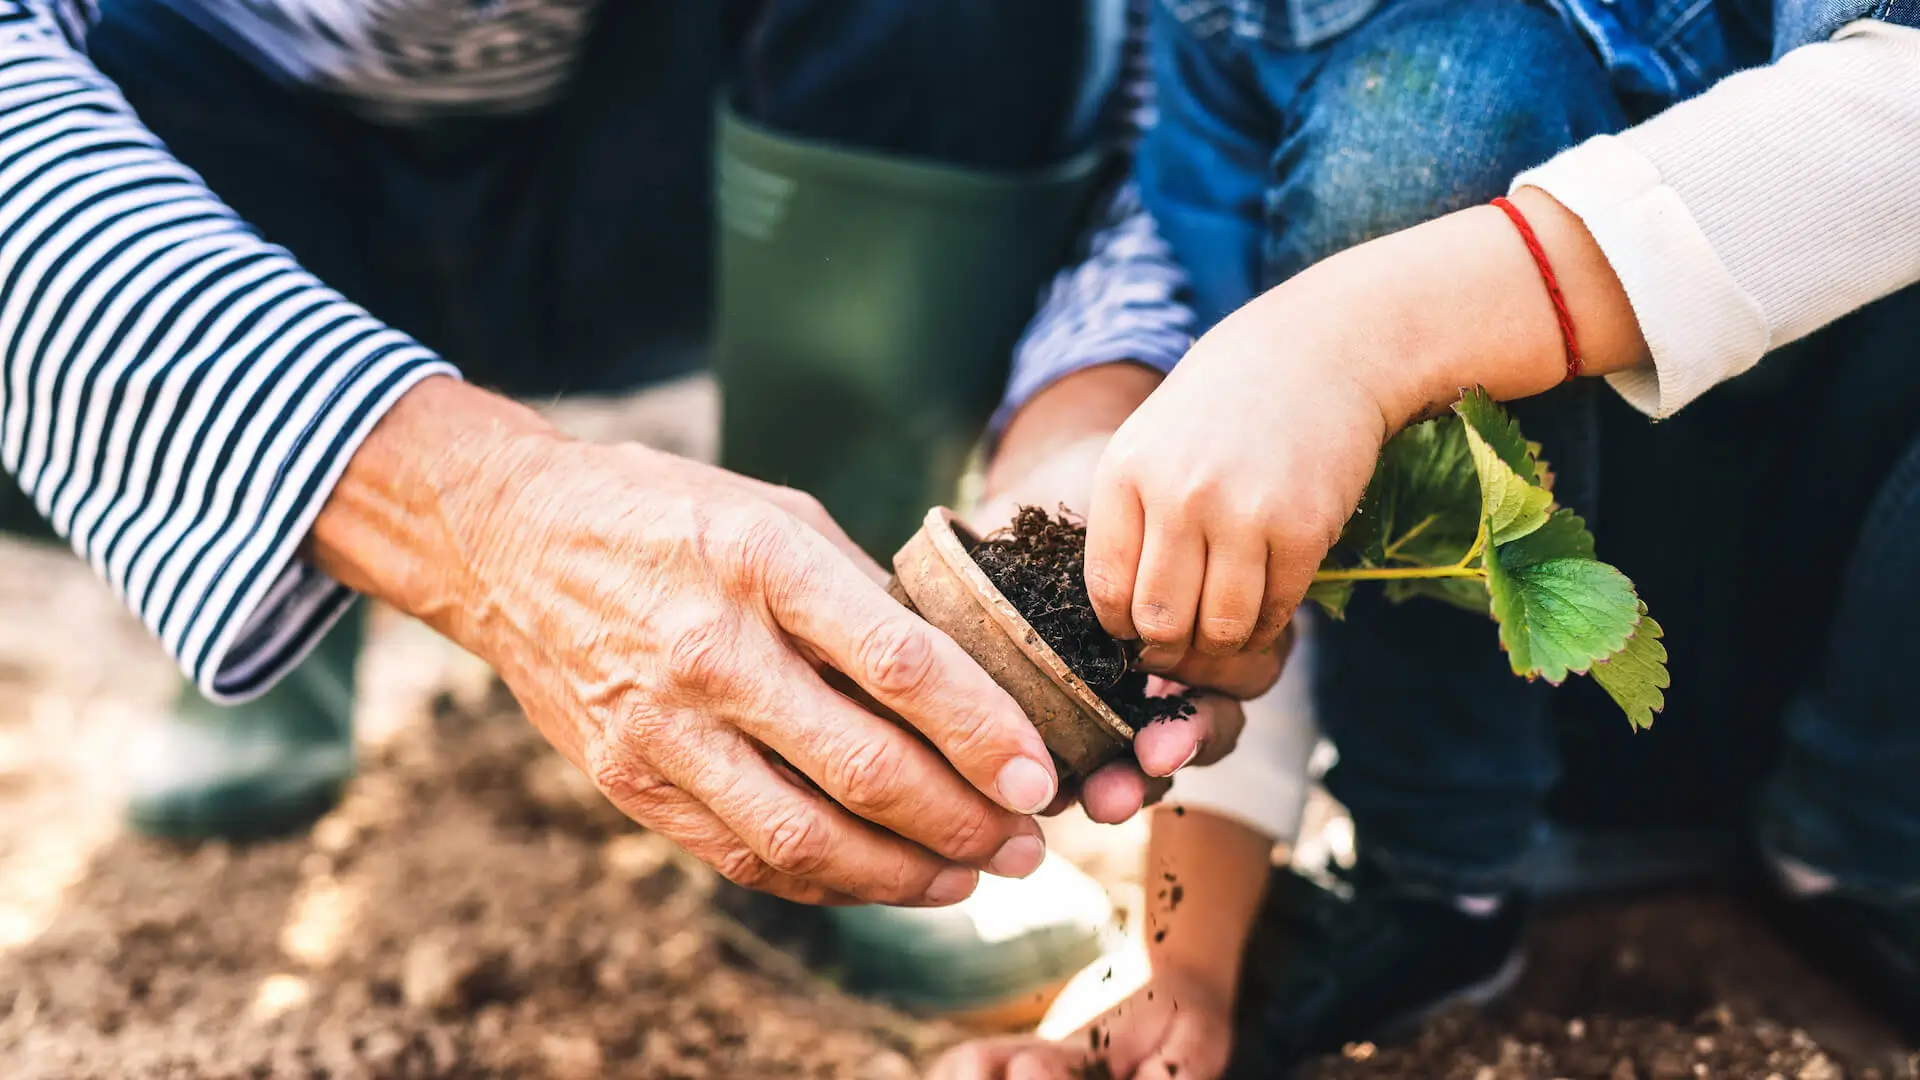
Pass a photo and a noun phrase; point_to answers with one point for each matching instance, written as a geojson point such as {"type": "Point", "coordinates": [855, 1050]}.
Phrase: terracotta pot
{"type": "Point", "coordinates": [936, 577]}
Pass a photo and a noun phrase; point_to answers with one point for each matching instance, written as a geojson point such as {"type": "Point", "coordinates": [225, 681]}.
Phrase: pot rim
{"type": "Point", "coordinates": [945, 530]}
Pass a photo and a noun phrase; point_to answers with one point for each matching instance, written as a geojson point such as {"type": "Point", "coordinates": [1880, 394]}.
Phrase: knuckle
{"type": "Point", "coordinates": [871, 777]}
{"type": "Point", "coordinates": [801, 504]}
{"type": "Point", "coordinates": [797, 842]}
{"type": "Point", "coordinates": [1158, 623]}
{"type": "Point", "coordinates": [742, 867]}
{"type": "Point", "coordinates": [1105, 586]}
{"type": "Point", "coordinates": [972, 835]}
{"type": "Point", "coordinates": [1224, 635]}
{"type": "Point", "coordinates": [761, 542]}
{"type": "Point", "coordinates": [896, 658]}
{"type": "Point", "coordinates": [1172, 504]}
{"type": "Point", "coordinates": [1252, 519]}
{"type": "Point", "coordinates": [620, 774]}
{"type": "Point", "coordinates": [701, 657]}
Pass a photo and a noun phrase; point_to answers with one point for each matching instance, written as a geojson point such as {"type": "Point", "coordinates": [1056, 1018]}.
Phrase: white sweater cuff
{"type": "Point", "coordinates": [1263, 783]}
{"type": "Point", "coordinates": [1758, 212]}
{"type": "Point", "coordinates": [1701, 327]}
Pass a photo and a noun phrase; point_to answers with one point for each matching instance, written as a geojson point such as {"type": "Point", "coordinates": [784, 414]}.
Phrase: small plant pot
{"type": "Point", "coordinates": [936, 576]}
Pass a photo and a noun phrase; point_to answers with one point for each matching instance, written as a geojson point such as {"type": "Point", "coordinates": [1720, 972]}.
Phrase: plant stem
{"type": "Point", "coordinates": [1400, 573]}
{"type": "Point", "coordinates": [1479, 542]}
{"type": "Point", "coordinates": [1393, 549]}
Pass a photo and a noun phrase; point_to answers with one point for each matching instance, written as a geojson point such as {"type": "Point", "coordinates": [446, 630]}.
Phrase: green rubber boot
{"type": "Point", "coordinates": [266, 768]}
{"type": "Point", "coordinates": [867, 307]}
{"type": "Point", "coordinates": [993, 962]}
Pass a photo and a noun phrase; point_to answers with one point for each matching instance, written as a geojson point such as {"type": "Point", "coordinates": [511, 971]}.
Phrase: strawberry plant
{"type": "Point", "coordinates": [1461, 509]}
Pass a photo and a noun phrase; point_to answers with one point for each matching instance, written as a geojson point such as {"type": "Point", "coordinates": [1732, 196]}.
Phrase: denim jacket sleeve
{"type": "Point", "coordinates": [1803, 22]}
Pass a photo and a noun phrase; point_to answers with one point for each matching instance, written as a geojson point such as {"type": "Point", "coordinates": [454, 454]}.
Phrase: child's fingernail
{"type": "Point", "coordinates": [1155, 658]}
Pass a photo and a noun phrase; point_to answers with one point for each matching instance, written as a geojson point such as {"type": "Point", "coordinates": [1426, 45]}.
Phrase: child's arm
{"type": "Point", "coordinates": [1180, 1023]}
{"type": "Point", "coordinates": [1686, 248]}
{"type": "Point", "coordinates": [1208, 858]}
{"type": "Point", "coordinates": [1218, 498]}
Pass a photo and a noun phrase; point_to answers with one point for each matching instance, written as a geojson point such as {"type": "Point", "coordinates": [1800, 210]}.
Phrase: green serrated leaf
{"type": "Point", "coordinates": [1564, 536]}
{"type": "Point", "coordinates": [1514, 506]}
{"type": "Point", "coordinates": [1636, 676]}
{"type": "Point", "coordinates": [1469, 594]}
{"type": "Point", "coordinates": [1559, 609]}
{"type": "Point", "coordinates": [1332, 596]}
{"type": "Point", "coordinates": [1491, 422]}
{"type": "Point", "coordinates": [1422, 507]}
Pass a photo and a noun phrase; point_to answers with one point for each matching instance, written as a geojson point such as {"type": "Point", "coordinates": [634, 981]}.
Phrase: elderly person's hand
{"type": "Point", "coordinates": [709, 649]}
{"type": "Point", "coordinates": [1047, 458]}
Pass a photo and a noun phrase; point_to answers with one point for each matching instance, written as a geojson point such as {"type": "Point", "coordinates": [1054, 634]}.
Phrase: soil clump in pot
{"type": "Point", "coordinates": [1039, 564]}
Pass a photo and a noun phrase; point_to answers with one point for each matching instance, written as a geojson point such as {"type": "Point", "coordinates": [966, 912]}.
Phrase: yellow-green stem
{"type": "Point", "coordinates": [1400, 573]}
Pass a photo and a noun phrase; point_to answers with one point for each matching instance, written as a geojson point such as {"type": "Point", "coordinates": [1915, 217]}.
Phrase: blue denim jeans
{"type": "Point", "coordinates": [1764, 525]}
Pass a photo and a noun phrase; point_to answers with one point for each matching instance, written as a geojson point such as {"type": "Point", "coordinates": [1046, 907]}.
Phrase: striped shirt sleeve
{"type": "Point", "coordinates": [177, 396]}
{"type": "Point", "coordinates": [1124, 299]}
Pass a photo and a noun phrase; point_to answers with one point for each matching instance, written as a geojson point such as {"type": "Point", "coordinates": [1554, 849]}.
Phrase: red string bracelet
{"type": "Point", "coordinates": [1560, 311]}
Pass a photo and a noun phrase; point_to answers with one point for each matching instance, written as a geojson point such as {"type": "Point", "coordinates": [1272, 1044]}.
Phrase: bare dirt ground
{"type": "Point", "coordinates": [473, 910]}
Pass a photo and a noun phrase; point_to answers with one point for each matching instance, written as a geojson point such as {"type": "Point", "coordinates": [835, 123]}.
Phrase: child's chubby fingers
{"type": "Point", "coordinates": [1116, 527]}
{"type": "Point", "coordinates": [1006, 1057]}
{"type": "Point", "coordinates": [1236, 582]}
{"type": "Point", "coordinates": [1166, 590]}
{"type": "Point", "coordinates": [1242, 676]}
{"type": "Point", "coordinates": [1196, 1048]}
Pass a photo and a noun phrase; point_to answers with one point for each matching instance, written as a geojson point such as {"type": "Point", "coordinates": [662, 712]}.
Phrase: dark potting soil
{"type": "Point", "coordinates": [1039, 564]}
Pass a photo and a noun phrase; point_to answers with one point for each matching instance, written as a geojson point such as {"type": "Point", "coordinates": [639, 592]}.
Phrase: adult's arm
{"type": "Point", "coordinates": [232, 445]}
{"type": "Point", "coordinates": [178, 396]}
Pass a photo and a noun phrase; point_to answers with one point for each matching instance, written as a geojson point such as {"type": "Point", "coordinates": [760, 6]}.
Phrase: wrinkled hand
{"type": "Point", "coordinates": [667, 626]}
{"type": "Point", "coordinates": [1169, 1029]}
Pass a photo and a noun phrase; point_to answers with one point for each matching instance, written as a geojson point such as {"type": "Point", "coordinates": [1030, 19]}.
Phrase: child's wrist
{"type": "Point", "coordinates": [1215, 971]}
{"type": "Point", "coordinates": [1417, 316]}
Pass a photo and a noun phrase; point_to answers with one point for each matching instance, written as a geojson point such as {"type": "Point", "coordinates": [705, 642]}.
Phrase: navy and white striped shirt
{"type": "Point", "coordinates": [178, 397]}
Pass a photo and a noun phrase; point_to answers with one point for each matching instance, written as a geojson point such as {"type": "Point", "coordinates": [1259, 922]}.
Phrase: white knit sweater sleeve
{"type": "Point", "coordinates": [1758, 212]}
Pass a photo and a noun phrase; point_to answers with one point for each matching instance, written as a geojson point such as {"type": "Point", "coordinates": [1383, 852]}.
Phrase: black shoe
{"type": "Point", "coordinates": [1355, 958]}
{"type": "Point", "coordinates": [1873, 949]}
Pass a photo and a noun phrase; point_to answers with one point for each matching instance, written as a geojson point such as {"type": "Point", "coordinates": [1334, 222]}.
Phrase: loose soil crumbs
{"type": "Point", "coordinates": [1039, 564]}
{"type": "Point", "coordinates": [473, 911]}
{"type": "Point", "coordinates": [1677, 987]}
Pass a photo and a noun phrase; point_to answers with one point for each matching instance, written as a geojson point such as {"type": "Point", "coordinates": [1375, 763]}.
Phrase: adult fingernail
{"type": "Point", "coordinates": [1188, 760]}
{"type": "Point", "coordinates": [951, 885]}
{"type": "Point", "coordinates": [1018, 857]}
{"type": "Point", "coordinates": [1024, 785]}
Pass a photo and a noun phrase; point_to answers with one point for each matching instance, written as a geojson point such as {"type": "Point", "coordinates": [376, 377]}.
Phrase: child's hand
{"type": "Point", "coordinates": [1170, 1028]}
{"type": "Point", "coordinates": [1047, 458]}
{"type": "Point", "coordinates": [1215, 502]}
{"type": "Point", "coordinates": [1217, 499]}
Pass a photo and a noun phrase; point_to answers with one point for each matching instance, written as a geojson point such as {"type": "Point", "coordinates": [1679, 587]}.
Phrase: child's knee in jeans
{"type": "Point", "coordinates": [1432, 106]}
